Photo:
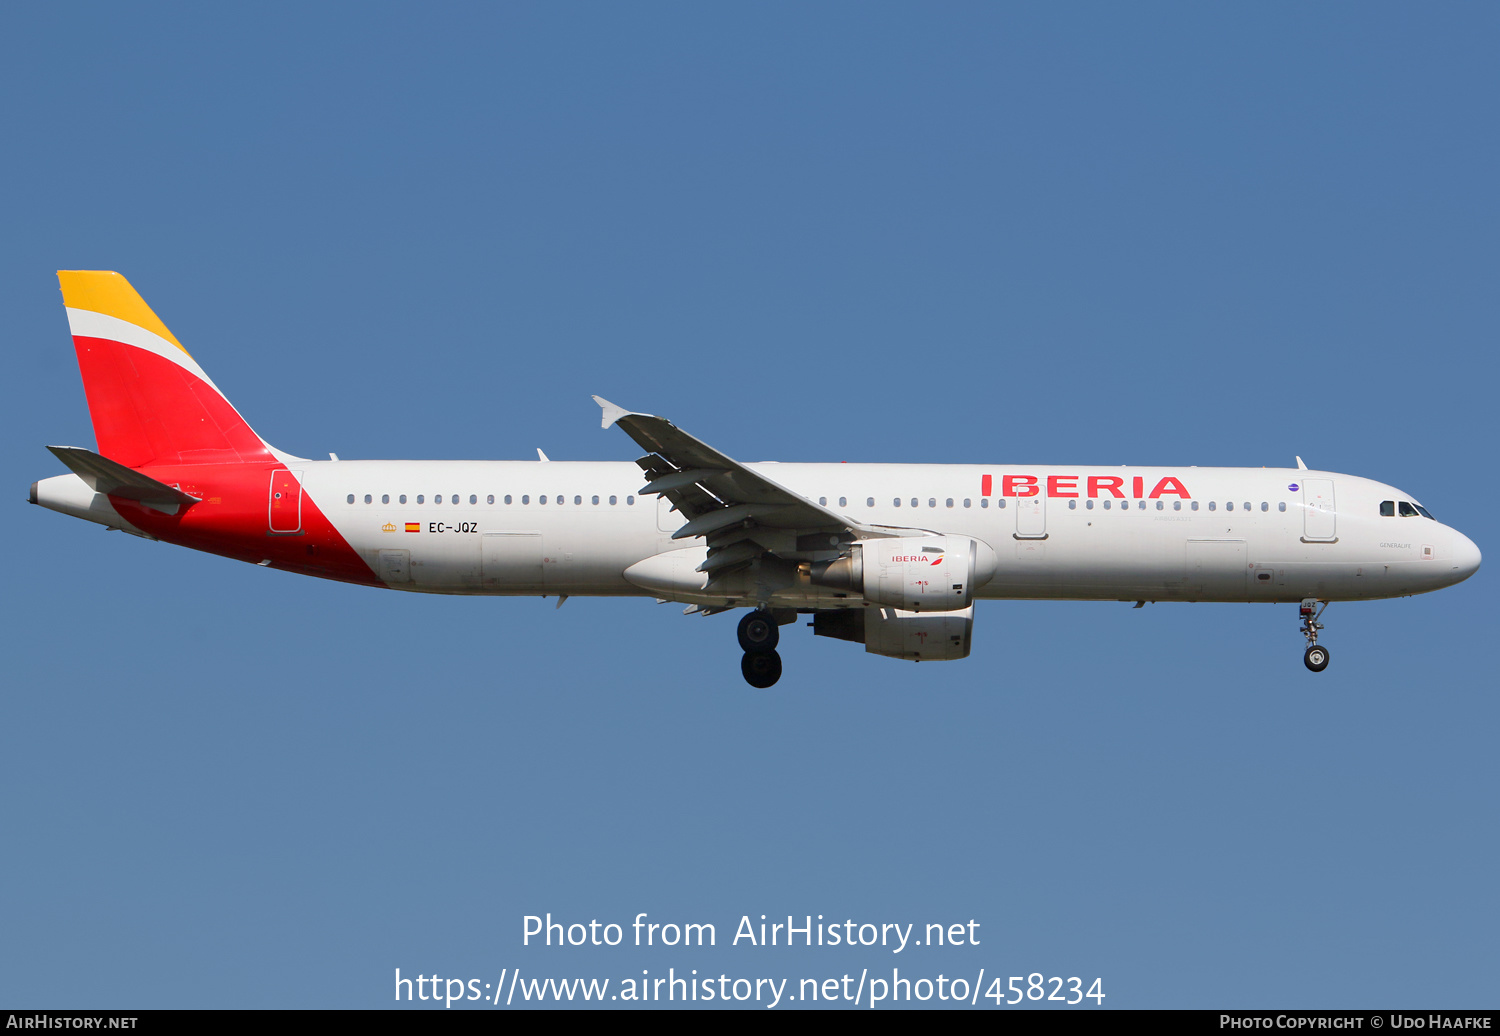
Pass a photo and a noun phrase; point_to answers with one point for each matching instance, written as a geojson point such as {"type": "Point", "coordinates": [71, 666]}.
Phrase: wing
{"type": "Point", "coordinates": [742, 514]}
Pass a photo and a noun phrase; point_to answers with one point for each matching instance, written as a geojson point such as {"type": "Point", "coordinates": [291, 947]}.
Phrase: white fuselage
{"type": "Point", "coordinates": [1238, 535]}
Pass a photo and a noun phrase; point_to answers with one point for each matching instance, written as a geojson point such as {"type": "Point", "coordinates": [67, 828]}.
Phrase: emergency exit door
{"type": "Point", "coordinates": [1031, 517]}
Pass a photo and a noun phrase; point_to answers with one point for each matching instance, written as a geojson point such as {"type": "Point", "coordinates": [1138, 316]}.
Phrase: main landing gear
{"type": "Point", "coordinates": [1315, 657]}
{"type": "Point", "coordinates": [759, 634]}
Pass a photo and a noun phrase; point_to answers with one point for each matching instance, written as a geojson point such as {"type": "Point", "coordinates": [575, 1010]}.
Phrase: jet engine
{"type": "Point", "coordinates": [931, 637]}
{"type": "Point", "coordinates": [914, 574]}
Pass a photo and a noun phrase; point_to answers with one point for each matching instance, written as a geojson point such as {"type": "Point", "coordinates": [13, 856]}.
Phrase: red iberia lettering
{"type": "Point", "coordinates": [1019, 485]}
{"type": "Point", "coordinates": [1056, 484]}
{"type": "Point", "coordinates": [986, 484]}
{"type": "Point", "coordinates": [1170, 485]}
{"type": "Point", "coordinates": [1109, 482]}
{"type": "Point", "coordinates": [1138, 483]}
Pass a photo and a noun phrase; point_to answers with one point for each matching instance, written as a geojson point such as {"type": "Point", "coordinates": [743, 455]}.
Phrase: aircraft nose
{"type": "Point", "coordinates": [1466, 557]}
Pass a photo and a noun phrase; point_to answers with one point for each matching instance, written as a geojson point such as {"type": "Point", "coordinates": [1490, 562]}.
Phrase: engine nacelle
{"type": "Point", "coordinates": [919, 637]}
{"type": "Point", "coordinates": [914, 574]}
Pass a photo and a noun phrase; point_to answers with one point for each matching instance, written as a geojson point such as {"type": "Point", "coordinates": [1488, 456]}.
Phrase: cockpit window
{"type": "Point", "coordinates": [1387, 508]}
{"type": "Point", "coordinates": [1424, 512]}
{"type": "Point", "coordinates": [1407, 510]}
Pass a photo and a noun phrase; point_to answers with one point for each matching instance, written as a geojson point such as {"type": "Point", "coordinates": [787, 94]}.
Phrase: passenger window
{"type": "Point", "coordinates": [1264, 506]}
{"type": "Point", "coordinates": [984, 501]}
{"type": "Point", "coordinates": [950, 501]}
{"type": "Point", "coordinates": [630, 501]}
{"type": "Point", "coordinates": [869, 501]}
{"type": "Point", "coordinates": [613, 500]}
{"type": "Point", "coordinates": [437, 498]}
{"type": "Point", "coordinates": [507, 498]}
{"type": "Point", "coordinates": [1407, 510]}
{"type": "Point", "coordinates": [579, 500]}
{"type": "Point", "coordinates": [1212, 506]}
{"type": "Point", "coordinates": [420, 498]}
{"type": "Point", "coordinates": [596, 500]}
{"type": "Point", "coordinates": [385, 498]}
{"type": "Point", "coordinates": [1161, 505]}
{"type": "Point", "coordinates": [932, 501]}
{"type": "Point", "coordinates": [966, 501]}
{"type": "Point", "coordinates": [896, 502]}
{"type": "Point", "coordinates": [402, 498]}
{"type": "Point", "coordinates": [1072, 505]}
{"type": "Point", "coordinates": [369, 499]}
{"type": "Point", "coordinates": [1106, 503]}
{"type": "Point", "coordinates": [473, 499]}
{"type": "Point", "coordinates": [1195, 505]}
{"type": "Point", "coordinates": [1176, 505]}
{"type": "Point", "coordinates": [1229, 506]}
{"type": "Point", "coordinates": [490, 499]}
{"type": "Point", "coordinates": [822, 501]}
{"type": "Point", "coordinates": [914, 501]}
{"type": "Point", "coordinates": [541, 499]}
{"type": "Point", "coordinates": [843, 501]}
{"type": "Point", "coordinates": [351, 498]}
{"type": "Point", "coordinates": [560, 499]}
{"type": "Point", "coordinates": [1088, 504]}
{"type": "Point", "coordinates": [1281, 506]}
{"type": "Point", "coordinates": [525, 499]}
{"type": "Point", "coordinates": [1247, 505]}
{"type": "Point", "coordinates": [1387, 508]}
{"type": "Point", "coordinates": [1000, 502]}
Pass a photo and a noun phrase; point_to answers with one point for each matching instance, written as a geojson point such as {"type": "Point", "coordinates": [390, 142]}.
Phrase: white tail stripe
{"type": "Point", "coordinates": [88, 324]}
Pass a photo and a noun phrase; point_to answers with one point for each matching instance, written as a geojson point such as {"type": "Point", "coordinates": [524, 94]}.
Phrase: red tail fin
{"type": "Point", "coordinates": [150, 401]}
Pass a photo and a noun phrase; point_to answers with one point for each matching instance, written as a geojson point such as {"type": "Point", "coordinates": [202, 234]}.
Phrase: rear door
{"type": "Point", "coordinates": [285, 504]}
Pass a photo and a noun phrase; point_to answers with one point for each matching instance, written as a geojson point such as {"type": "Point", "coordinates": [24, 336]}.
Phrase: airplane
{"type": "Point", "coordinates": [891, 556]}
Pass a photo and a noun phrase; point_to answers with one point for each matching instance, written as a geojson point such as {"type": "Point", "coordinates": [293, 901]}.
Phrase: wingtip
{"type": "Point", "coordinates": [611, 413]}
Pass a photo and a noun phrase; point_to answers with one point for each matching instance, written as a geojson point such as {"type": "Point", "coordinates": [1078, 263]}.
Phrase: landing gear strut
{"type": "Point", "coordinates": [759, 634]}
{"type": "Point", "coordinates": [1315, 657]}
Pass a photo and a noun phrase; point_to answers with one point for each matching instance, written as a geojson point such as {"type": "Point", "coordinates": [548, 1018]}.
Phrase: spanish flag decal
{"type": "Point", "coordinates": [413, 526]}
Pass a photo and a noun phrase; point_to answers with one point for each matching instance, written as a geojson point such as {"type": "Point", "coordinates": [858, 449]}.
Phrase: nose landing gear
{"type": "Point", "coordinates": [1315, 657]}
{"type": "Point", "coordinates": [759, 634]}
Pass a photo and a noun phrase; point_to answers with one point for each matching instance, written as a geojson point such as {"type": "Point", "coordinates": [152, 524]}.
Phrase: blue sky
{"type": "Point", "coordinates": [978, 233]}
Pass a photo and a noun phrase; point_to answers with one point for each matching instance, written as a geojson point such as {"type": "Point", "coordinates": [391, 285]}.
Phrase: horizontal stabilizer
{"type": "Point", "coordinates": [115, 479]}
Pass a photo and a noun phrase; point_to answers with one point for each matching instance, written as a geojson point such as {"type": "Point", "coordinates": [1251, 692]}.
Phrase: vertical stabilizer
{"type": "Point", "coordinates": [150, 401]}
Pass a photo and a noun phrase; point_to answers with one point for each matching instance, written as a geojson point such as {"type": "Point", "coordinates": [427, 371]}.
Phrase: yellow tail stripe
{"type": "Point", "coordinates": [104, 291]}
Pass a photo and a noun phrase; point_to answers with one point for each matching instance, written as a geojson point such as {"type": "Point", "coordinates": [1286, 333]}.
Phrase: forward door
{"type": "Point", "coordinates": [1320, 520]}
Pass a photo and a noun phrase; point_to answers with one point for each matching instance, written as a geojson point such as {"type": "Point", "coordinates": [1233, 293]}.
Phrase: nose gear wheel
{"type": "Point", "coordinates": [1315, 657]}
